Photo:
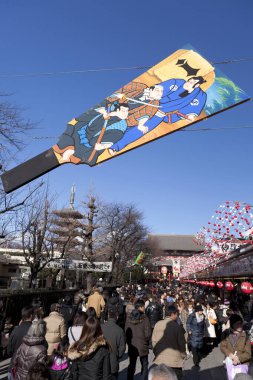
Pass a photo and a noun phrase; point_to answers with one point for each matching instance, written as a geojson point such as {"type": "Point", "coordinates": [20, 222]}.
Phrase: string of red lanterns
{"type": "Point", "coordinates": [246, 287]}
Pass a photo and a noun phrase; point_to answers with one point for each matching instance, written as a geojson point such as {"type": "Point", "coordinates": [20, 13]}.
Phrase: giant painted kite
{"type": "Point", "coordinates": [179, 91]}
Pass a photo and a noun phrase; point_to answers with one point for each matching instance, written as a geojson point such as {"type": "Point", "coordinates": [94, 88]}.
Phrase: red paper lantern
{"type": "Point", "coordinates": [246, 288]}
{"type": "Point", "coordinates": [211, 284]}
{"type": "Point", "coordinates": [220, 284]}
{"type": "Point", "coordinates": [207, 283]}
{"type": "Point", "coordinates": [229, 286]}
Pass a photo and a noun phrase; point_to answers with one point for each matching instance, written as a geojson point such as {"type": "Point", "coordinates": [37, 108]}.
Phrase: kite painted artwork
{"type": "Point", "coordinates": [182, 89]}
{"type": "Point", "coordinates": [179, 91]}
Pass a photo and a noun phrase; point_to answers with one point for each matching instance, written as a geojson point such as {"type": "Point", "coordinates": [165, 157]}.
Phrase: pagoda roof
{"type": "Point", "coordinates": [68, 213]}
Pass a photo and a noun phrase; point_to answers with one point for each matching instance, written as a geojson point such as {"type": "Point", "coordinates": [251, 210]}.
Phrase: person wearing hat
{"type": "Point", "coordinates": [195, 327]}
{"type": "Point", "coordinates": [235, 343]}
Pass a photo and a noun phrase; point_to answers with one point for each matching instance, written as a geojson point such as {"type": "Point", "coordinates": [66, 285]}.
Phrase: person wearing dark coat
{"type": "Point", "coordinates": [154, 311]}
{"type": "Point", "coordinates": [116, 338]}
{"type": "Point", "coordinates": [68, 311]}
{"type": "Point", "coordinates": [31, 351]}
{"type": "Point", "coordinates": [195, 326]}
{"type": "Point", "coordinates": [138, 334]}
{"type": "Point", "coordinates": [90, 355]}
{"type": "Point", "coordinates": [20, 331]}
{"type": "Point", "coordinates": [114, 302]}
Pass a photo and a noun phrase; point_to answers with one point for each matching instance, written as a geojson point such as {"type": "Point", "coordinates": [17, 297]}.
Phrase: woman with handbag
{"type": "Point", "coordinates": [211, 321]}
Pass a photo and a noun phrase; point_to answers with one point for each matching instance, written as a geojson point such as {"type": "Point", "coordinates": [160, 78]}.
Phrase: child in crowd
{"type": "Point", "coordinates": [59, 367]}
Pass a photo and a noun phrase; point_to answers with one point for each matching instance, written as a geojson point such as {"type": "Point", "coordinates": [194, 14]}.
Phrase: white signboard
{"type": "Point", "coordinates": [80, 265]}
{"type": "Point", "coordinates": [225, 247]}
{"type": "Point", "coordinates": [176, 267]}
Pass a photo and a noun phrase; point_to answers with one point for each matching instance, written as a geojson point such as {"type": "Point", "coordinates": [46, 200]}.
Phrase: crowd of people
{"type": "Point", "coordinates": [85, 338]}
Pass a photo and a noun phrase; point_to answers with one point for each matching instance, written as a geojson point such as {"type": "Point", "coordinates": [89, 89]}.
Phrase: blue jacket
{"type": "Point", "coordinates": [197, 330]}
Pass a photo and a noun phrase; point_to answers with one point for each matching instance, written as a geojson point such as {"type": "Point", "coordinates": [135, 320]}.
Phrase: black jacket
{"type": "Point", "coordinates": [17, 336]}
{"type": "Point", "coordinates": [94, 365]}
{"type": "Point", "coordinates": [115, 303]}
{"type": "Point", "coordinates": [154, 312]}
{"type": "Point", "coordinates": [116, 338]}
{"type": "Point", "coordinates": [68, 313]}
{"type": "Point", "coordinates": [138, 334]}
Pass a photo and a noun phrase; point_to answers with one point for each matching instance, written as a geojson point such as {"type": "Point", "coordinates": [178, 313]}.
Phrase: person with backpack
{"type": "Point", "coordinates": [154, 311]}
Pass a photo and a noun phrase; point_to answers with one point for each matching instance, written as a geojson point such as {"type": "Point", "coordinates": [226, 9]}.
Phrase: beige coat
{"type": "Point", "coordinates": [56, 330]}
{"type": "Point", "coordinates": [97, 301]}
{"type": "Point", "coordinates": [169, 343]}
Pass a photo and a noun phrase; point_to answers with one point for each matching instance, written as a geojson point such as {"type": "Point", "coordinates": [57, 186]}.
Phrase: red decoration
{"type": "Point", "coordinates": [220, 284]}
{"type": "Point", "coordinates": [229, 286]}
{"type": "Point", "coordinates": [211, 284]}
{"type": "Point", "coordinates": [246, 288]}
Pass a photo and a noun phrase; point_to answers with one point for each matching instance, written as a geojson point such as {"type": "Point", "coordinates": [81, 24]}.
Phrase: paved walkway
{"type": "Point", "coordinates": [211, 367]}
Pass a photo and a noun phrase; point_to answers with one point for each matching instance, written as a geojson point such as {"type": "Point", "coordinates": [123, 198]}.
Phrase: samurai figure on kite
{"type": "Point", "coordinates": [127, 115]}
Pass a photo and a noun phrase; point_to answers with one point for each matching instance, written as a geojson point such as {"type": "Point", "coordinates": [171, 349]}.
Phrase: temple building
{"type": "Point", "coordinates": [173, 251]}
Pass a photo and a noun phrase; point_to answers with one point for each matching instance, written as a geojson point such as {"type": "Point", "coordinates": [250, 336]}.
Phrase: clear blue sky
{"type": "Point", "coordinates": [177, 181]}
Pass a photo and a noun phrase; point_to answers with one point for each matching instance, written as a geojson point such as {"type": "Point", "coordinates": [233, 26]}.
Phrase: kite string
{"type": "Point", "coordinates": [180, 130]}
{"type": "Point", "coordinates": [52, 73]}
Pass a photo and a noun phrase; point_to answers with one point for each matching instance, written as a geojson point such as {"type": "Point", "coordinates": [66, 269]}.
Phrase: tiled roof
{"type": "Point", "coordinates": [177, 243]}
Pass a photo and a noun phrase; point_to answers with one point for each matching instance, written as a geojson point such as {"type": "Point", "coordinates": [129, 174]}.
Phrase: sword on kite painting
{"type": "Point", "coordinates": [177, 92]}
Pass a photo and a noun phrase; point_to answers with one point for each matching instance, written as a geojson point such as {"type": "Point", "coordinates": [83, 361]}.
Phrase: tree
{"type": "Point", "coordinates": [121, 235]}
{"type": "Point", "coordinates": [36, 238]}
{"type": "Point", "coordinates": [13, 130]}
{"type": "Point", "coordinates": [88, 236]}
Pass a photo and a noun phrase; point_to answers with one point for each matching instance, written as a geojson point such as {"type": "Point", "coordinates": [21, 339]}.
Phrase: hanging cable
{"type": "Point", "coordinates": [180, 130]}
{"type": "Point", "coordinates": [85, 71]}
